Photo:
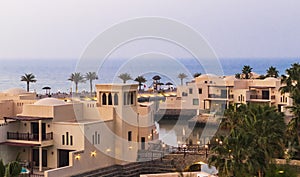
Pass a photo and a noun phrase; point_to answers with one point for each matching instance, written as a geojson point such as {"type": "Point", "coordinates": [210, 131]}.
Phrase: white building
{"type": "Point", "coordinates": [64, 138]}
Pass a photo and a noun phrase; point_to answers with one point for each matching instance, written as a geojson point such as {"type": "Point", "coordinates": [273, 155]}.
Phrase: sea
{"type": "Point", "coordinates": [55, 72]}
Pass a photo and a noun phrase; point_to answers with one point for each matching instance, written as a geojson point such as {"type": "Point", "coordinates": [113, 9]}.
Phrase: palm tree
{"type": "Point", "coordinates": [272, 72]}
{"type": "Point", "coordinates": [196, 75]}
{"type": "Point", "coordinates": [28, 78]}
{"type": "Point", "coordinates": [125, 77]}
{"type": "Point", "coordinates": [76, 78]}
{"type": "Point", "coordinates": [256, 136]}
{"type": "Point", "coordinates": [247, 71]}
{"type": "Point", "coordinates": [292, 86]}
{"type": "Point", "coordinates": [91, 76]}
{"type": "Point", "coordinates": [237, 75]}
{"type": "Point", "coordinates": [13, 169]}
{"type": "Point", "coordinates": [182, 76]}
{"type": "Point", "coordinates": [140, 80]}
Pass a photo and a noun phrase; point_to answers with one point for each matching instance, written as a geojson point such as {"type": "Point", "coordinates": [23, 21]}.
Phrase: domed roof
{"type": "Point", "coordinates": [229, 78]}
{"type": "Point", "coordinates": [207, 76]}
{"type": "Point", "coordinates": [49, 102]}
{"type": "Point", "coordinates": [15, 91]}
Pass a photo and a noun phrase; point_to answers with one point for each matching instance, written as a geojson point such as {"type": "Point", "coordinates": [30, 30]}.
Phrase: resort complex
{"type": "Point", "coordinates": [74, 135]}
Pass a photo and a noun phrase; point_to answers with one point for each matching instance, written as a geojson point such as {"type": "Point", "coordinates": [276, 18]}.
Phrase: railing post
{"type": "Point", "coordinates": [28, 136]}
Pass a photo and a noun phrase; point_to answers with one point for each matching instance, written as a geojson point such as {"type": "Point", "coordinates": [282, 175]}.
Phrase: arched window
{"type": "Point", "coordinates": [109, 99]}
{"type": "Point", "coordinates": [116, 99]}
{"type": "Point", "coordinates": [103, 98]}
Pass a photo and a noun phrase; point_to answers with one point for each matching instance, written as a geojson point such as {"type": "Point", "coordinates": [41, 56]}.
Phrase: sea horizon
{"type": "Point", "coordinates": [55, 72]}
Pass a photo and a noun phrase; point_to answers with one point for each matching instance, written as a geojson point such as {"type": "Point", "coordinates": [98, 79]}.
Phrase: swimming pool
{"type": "Point", "coordinates": [24, 171]}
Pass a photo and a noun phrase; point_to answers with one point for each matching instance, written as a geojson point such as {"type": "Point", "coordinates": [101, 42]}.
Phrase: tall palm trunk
{"type": "Point", "coordinates": [76, 87]}
{"type": "Point", "coordinates": [27, 86]}
{"type": "Point", "coordinates": [91, 87]}
{"type": "Point", "coordinates": [181, 81]}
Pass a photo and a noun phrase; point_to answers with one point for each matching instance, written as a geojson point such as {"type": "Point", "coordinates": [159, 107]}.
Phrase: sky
{"type": "Point", "coordinates": [233, 28]}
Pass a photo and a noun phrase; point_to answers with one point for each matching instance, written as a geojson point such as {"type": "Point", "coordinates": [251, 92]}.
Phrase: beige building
{"type": "Point", "coordinates": [67, 138]}
{"type": "Point", "coordinates": [211, 92]}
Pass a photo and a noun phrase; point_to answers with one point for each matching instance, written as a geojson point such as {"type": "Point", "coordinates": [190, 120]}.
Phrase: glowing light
{"type": "Point", "coordinates": [77, 156]}
{"type": "Point", "coordinates": [93, 153]}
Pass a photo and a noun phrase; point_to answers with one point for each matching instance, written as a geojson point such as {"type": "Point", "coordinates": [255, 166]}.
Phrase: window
{"type": "Point", "coordinates": [71, 140]}
{"type": "Point", "coordinates": [190, 91]}
{"type": "Point", "coordinates": [129, 136]}
{"type": "Point", "coordinates": [109, 99]}
{"type": "Point", "coordinates": [96, 138]}
{"type": "Point", "coordinates": [125, 98]}
{"type": "Point", "coordinates": [195, 101]}
{"type": "Point", "coordinates": [116, 99]}
{"type": "Point", "coordinates": [63, 139]}
{"type": "Point", "coordinates": [103, 99]}
{"type": "Point", "coordinates": [200, 90]}
{"type": "Point", "coordinates": [184, 94]}
{"type": "Point", "coordinates": [67, 138]}
{"type": "Point", "coordinates": [131, 98]}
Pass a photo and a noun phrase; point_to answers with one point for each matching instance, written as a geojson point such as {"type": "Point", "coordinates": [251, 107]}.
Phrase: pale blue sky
{"type": "Point", "coordinates": [233, 28]}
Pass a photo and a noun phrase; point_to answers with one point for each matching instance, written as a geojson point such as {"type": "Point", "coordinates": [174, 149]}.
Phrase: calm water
{"type": "Point", "coordinates": [55, 73]}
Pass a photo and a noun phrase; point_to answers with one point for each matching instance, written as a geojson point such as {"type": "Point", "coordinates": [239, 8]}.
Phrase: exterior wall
{"type": "Point", "coordinates": [90, 111]}
{"type": "Point", "coordinates": [37, 111]}
{"type": "Point", "coordinates": [6, 108]}
{"type": "Point", "coordinates": [68, 112]}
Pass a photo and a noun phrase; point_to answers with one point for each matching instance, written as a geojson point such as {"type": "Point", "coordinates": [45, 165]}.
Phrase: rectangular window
{"type": "Point", "coordinates": [71, 140]}
{"type": "Point", "coordinates": [200, 90]}
{"type": "Point", "coordinates": [67, 138]}
{"type": "Point", "coordinates": [190, 91]}
{"type": "Point", "coordinates": [93, 138]}
{"type": "Point", "coordinates": [129, 136]}
{"type": "Point", "coordinates": [184, 94]}
{"type": "Point", "coordinates": [63, 139]}
{"type": "Point", "coordinates": [195, 101]}
{"type": "Point", "coordinates": [98, 138]}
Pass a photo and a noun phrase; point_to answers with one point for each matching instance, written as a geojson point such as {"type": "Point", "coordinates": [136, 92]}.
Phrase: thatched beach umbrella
{"type": "Point", "coordinates": [47, 89]}
{"type": "Point", "coordinates": [169, 85]}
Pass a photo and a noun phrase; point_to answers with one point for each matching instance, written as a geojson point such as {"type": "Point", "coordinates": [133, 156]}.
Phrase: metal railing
{"type": "Point", "coordinates": [29, 136]}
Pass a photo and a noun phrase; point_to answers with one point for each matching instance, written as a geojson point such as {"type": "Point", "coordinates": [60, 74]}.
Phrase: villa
{"type": "Point", "coordinates": [211, 92]}
{"type": "Point", "coordinates": [67, 138]}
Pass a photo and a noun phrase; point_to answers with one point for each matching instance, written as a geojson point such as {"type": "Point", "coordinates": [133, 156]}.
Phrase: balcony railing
{"type": "Point", "coordinates": [28, 136]}
{"type": "Point", "coordinates": [262, 97]}
{"type": "Point", "coordinates": [220, 96]}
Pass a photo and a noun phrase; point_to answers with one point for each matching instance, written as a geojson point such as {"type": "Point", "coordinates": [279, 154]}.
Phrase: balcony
{"type": "Point", "coordinates": [262, 97]}
{"type": "Point", "coordinates": [28, 136]}
{"type": "Point", "coordinates": [220, 96]}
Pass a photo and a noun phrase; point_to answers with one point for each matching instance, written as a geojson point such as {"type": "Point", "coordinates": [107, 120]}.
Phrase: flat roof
{"type": "Point", "coordinates": [27, 118]}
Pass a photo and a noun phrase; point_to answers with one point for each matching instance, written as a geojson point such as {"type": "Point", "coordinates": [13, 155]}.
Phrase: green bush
{"type": "Point", "coordinates": [281, 171]}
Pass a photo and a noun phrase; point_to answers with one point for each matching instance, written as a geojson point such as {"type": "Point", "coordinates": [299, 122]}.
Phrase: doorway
{"type": "Point", "coordinates": [36, 159]}
{"type": "Point", "coordinates": [35, 130]}
{"type": "Point", "coordinates": [63, 157]}
{"type": "Point", "coordinates": [143, 140]}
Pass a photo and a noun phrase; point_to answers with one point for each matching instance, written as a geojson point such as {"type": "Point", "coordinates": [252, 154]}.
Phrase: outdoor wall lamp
{"type": "Point", "coordinates": [77, 156]}
{"type": "Point", "coordinates": [93, 153]}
